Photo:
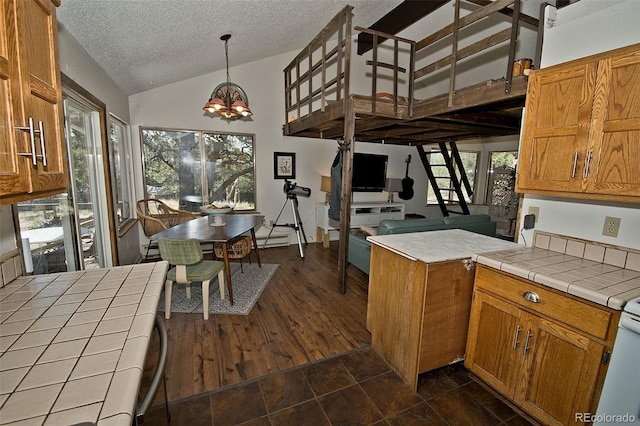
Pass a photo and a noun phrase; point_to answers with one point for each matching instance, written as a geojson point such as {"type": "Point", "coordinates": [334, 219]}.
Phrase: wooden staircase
{"type": "Point", "coordinates": [456, 179]}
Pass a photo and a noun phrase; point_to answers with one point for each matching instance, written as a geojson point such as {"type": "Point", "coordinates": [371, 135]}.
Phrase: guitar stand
{"type": "Point", "coordinates": [297, 225]}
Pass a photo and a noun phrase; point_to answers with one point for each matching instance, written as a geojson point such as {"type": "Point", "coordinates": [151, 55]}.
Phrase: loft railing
{"type": "Point", "coordinates": [319, 74]}
{"type": "Point", "coordinates": [399, 44]}
{"type": "Point", "coordinates": [490, 8]}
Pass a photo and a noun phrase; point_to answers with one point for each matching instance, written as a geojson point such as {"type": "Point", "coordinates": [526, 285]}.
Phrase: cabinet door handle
{"type": "Point", "coordinates": [526, 342]}
{"type": "Point", "coordinates": [588, 163]}
{"type": "Point", "coordinates": [42, 143]}
{"type": "Point", "coordinates": [575, 162]}
{"type": "Point", "coordinates": [531, 297]}
{"type": "Point", "coordinates": [515, 337]}
{"type": "Point", "coordinates": [32, 139]}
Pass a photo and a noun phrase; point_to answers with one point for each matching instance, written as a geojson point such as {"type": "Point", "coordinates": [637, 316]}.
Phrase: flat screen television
{"type": "Point", "coordinates": [369, 172]}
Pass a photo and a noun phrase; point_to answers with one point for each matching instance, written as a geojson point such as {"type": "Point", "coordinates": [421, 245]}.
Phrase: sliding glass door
{"type": "Point", "coordinates": [70, 231]}
{"type": "Point", "coordinates": [88, 181]}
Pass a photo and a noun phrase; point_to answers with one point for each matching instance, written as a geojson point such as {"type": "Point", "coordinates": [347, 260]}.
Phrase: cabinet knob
{"type": "Point", "coordinates": [531, 297]}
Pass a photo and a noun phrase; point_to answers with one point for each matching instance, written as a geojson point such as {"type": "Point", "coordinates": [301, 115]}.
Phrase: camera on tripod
{"type": "Point", "coordinates": [292, 189]}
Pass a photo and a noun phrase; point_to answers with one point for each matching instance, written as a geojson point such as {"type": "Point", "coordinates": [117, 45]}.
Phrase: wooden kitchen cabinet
{"type": "Point", "coordinates": [417, 312]}
{"type": "Point", "coordinates": [545, 356]}
{"type": "Point", "coordinates": [33, 160]}
{"type": "Point", "coordinates": [492, 332]}
{"type": "Point", "coordinates": [561, 372]}
{"type": "Point", "coordinates": [581, 131]}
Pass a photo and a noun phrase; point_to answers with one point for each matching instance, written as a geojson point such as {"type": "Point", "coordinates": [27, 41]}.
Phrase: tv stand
{"type": "Point", "coordinates": [362, 213]}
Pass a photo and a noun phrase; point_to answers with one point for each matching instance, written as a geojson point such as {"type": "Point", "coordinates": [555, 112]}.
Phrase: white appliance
{"type": "Point", "coordinates": [620, 399]}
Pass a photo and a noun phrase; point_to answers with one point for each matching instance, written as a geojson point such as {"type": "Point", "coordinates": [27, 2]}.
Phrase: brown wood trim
{"type": "Point", "coordinates": [8, 255]}
{"type": "Point", "coordinates": [126, 226]}
{"type": "Point", "coordinates": [43, 90]}
{"type": "Point", "coordinates": [17, 198]}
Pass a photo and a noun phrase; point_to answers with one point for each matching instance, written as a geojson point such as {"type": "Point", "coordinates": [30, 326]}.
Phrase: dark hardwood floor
{"type": "Point", "coordinates": [299, 318]}
{"type": "Point", "coordinates": [303, 357]}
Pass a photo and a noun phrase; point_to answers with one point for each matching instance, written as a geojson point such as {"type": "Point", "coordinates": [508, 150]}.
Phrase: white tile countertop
{"type": "Point", "coordinates": [608, 276]}
{"type": "Point", "coordinates": [73, 344]}
{"type": "Point", "coordinates": [604, 274]}
{"type": "Point", "coordinates": [440, 246]}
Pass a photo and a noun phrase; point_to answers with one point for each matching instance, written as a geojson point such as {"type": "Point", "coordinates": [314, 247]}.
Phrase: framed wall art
{"type": "Point", "coordinates": [284, 165]}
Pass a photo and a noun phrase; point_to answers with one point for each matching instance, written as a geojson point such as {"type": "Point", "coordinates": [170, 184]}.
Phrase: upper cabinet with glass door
{"type": "Point", "coordinates": [32, 150]}
{"type": "Point", "coordinates": [581, 132]}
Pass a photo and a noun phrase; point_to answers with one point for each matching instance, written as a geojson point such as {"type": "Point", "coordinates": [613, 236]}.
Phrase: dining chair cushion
{"type": "Point", "coordinates": [180, 252]}
{"type": "Point", "coordinates": [201, 271]}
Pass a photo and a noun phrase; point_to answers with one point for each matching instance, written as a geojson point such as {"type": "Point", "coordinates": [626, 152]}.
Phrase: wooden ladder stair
{"type": "Point", "coordinates": [456, 175]}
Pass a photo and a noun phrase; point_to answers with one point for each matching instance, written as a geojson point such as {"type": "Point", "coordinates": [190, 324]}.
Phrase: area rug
{"type": "Point", "coordinates": [248, 285]}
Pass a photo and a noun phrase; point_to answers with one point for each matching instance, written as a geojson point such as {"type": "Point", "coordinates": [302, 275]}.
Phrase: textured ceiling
{"type": "Point", "coordinates": [143, 44]}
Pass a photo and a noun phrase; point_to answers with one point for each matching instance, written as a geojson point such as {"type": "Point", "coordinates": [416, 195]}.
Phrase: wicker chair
{"type": "Point", "coordinates": [155, 216]}
{"type": "Point", "coordinates": [237, 248]}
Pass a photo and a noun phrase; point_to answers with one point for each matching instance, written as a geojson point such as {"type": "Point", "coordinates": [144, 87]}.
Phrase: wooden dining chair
{"type": "Point", "coordinates": [186, 256]}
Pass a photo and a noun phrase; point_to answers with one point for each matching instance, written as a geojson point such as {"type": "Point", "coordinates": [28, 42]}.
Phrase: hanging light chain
{"type": "Point", "coordinates": [226, 55]}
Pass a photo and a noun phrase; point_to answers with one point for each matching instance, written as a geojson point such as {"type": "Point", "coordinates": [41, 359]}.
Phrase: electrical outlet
{"type": "Point", "coordinates": [535, 211]}
{"type": "Point", "coordinates": [611, 226]}
{"type": "Point", "coordinates": [271, 223]}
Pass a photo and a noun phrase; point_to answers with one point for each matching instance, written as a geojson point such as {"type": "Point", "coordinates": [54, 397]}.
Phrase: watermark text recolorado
{"type": "Point", "coordinates": [604, 418]}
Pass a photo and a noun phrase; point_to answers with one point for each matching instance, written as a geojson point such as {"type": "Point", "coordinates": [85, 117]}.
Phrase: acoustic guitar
{"type": "Point", "coordinates": [407, 183]}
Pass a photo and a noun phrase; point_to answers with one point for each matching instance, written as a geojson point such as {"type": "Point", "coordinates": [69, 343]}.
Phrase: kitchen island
{"type": "Point", "coordinates": [73, 344]}
{"type": "Point", "coordinates": [420, 288]}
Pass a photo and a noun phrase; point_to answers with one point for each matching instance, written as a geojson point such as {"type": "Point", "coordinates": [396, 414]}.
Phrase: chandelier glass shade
{"type": "Point", "coordinates": [228, 99]}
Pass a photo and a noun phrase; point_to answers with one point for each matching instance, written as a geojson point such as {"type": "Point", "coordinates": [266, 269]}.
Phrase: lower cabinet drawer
{"type": "Point", "coordinates": [563, 307]}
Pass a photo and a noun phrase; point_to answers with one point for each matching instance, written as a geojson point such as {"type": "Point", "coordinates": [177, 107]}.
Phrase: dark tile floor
{"type": "Point", "coordinates": [355, 388]}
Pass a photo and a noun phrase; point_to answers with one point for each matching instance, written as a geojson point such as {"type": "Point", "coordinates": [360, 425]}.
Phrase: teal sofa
{"type": "Point", "coordinates": [360, 249]}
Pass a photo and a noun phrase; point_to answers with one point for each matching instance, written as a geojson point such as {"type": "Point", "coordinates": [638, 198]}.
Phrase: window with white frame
{"type": "Point", "coordinates": [122, 173]}
{"type": "Point", "coordinates": [189, 168]}
{"type": "Point", "coordinates": [443, 179]}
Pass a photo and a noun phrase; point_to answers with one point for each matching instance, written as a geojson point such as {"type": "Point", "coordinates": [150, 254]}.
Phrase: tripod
{"type": "Point", "coordinates": [297, 225]}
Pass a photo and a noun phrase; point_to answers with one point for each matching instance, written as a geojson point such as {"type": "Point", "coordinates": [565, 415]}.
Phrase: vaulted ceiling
{"type": "Point", "coordinates": [143, 44]}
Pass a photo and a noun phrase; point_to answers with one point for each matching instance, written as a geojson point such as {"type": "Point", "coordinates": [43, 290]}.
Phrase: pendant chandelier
{"type": "Point", "coordinates": [228, 99]}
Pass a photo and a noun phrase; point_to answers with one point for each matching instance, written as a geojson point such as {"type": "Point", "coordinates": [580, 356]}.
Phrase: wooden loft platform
{"type": "Point", "coordinates": [483, 111]}
{"type": "Point", "coordinates": [319, 103]}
